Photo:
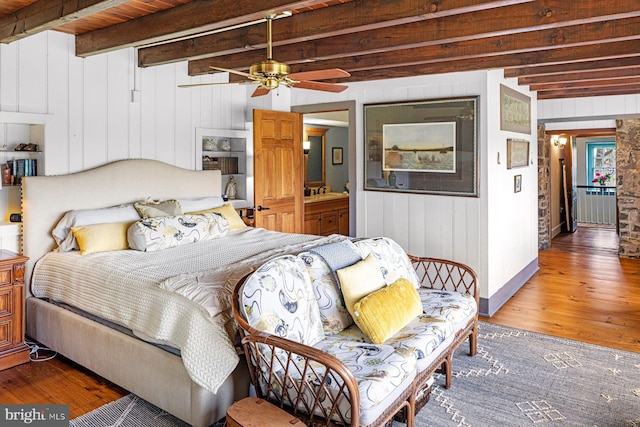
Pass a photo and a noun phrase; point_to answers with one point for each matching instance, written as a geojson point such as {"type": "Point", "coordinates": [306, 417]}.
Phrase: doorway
{"type": "Point", "coordinates": [339, 116]}
{"type": "Point", "coordinates": [582, 179]}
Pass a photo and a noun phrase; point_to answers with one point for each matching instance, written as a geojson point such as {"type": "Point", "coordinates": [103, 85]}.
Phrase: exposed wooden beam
{"type": "Point", "coordinates": [555, 56]}
{"type": "Point", "coordinates": [605, 64]}
{"type": "Point", "coordinates": [594, 83]}
{"type": "Point", "coordinates": [569, 77]}
{"type": "Point", "coordinates": [624, 29]}
{"type": "Point", "coordinates": [572, 36]}
{"type": "Point", "coordinates": [187, 20]}
{"type": "Point", "coordinates": [47, 14]}
{"type": "Point", "coordinates": [358, 15]}
{"type": "Point", "coordinates": [578, 93]}
{"type": "Point", "coordinates": [506, 21]}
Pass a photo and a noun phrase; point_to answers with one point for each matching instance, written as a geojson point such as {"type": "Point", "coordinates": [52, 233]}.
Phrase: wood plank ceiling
{"type": "Point", "coordinates": [560, 48]}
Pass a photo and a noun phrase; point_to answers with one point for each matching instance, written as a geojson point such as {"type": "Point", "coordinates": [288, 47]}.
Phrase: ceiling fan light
{"type": "Point", "coordinates": [270, 83]}
{"type": "Point", "coordinates": [269, 68]}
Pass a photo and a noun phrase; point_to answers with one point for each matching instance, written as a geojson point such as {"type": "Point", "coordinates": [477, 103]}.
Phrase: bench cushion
{"type": "Point", "coordinates": [421, 336]}
{"type": "Point", "coordinates": [450, 305]}
{"type": "Point", "coordinates": [381, 371]}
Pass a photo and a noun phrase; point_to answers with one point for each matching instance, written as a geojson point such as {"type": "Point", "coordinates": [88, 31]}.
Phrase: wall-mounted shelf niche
{"type": "Point", "coordinates": [231, 152]}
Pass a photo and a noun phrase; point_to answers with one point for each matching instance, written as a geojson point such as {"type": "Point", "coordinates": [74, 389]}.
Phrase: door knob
{"type": "Point", "coordinates": [260, 208]}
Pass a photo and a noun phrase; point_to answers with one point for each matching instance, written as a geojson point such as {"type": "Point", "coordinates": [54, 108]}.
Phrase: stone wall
{"type": "Point", "coordinates": [544, 190]}
{"type": "Point", "coordinates": [628, 174]}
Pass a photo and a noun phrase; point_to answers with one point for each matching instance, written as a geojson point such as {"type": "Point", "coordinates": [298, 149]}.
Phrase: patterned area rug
{"type": "Point", "coordinates": [518, 378]}
{"type": "Point", "coordinates": [521, 378]}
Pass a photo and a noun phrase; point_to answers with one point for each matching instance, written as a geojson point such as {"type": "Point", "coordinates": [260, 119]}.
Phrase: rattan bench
{"type": "Point", "coordinates": [308, 377]}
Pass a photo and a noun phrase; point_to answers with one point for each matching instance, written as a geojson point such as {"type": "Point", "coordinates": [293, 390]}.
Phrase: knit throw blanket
{"type": "Point", "coordinates": [338, 255]}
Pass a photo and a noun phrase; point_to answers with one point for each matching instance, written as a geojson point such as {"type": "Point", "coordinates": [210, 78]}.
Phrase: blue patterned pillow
{"type": "Point", "coordinates": [152, 234]}
{"type": "Point", "coordinates": [277, 298]}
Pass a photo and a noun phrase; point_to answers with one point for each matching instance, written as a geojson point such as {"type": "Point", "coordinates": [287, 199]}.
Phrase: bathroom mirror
{"type": "Point", "coordinates": [314, 160]}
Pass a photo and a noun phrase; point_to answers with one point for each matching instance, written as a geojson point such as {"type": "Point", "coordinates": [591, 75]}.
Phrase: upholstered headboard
{"type": "Point", "coordinates": [45, 199]}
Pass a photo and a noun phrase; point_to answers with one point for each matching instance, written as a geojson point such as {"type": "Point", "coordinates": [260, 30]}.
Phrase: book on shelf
{"type": "Point", "coordinates": [20, 168]}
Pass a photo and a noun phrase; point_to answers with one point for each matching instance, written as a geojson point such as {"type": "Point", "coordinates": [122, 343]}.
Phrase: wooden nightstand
{"type": "Point", "coordinates": [13, 351]}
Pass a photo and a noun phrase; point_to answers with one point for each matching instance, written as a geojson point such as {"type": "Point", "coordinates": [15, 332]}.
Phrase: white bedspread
{"type": "Point", "coordinates": [180, 296]}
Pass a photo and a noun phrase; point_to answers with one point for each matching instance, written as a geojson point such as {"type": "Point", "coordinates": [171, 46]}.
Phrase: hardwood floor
{"type": "Point", "coordinates": [582, 291]}
{"type": "Point", "coordinates": [57, 381]}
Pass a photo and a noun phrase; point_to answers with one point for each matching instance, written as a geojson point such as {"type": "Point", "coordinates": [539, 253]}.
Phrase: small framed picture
{"type": "Point", "coordinates": [336, 158]}
{"type": "Point", "coordinates": [517, 153]}
{"type": "Point", "coordinates": [517, 183]}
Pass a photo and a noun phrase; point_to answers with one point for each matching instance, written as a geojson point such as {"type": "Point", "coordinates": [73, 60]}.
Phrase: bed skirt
{"type": "Point", "coordinates": [133, 364]}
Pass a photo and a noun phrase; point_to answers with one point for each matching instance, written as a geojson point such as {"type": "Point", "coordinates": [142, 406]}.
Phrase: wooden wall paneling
{"type": "Point", "coordinates": [460, 226]}
{"type": "Point", "coordinates": [203, 99]}
{"type": "Point", "coordinates": [74, 138]}
{"type": "Point", "coordinates": [135, 109]}
{"type": "Point", "coordinates": [59, 90]}
{"type": "Point", "coordinates": [239, 98]}
{"type": "Point", "coordinates": [184, 122]}
{"type": "Point", "coordinates": [9, 81]}
{"type": "Point", "coordinates": [197, 107]}
{"type": "Point", "coordinates": [32, 78]}
{"type": "Point", "coordinates": [399, 215]}
{"type": "Point", "coordinates": [95, 111]}
{"type": "Point", "coordinates": [226, 101]}
{"type": "Point", "coordinates": [165, 120]}
{"type": "Point", "coordinates": [118, 71]}
{"type": "Point", "coordinates": [148, 114]}
{"type": "Point", "coordinates": [417, 244]}
{"type": "Point", "coordinates": [369, 220]}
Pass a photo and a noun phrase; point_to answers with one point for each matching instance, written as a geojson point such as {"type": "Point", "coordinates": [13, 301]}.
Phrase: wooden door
{"type": "Point", "coordinates": [278, 172]}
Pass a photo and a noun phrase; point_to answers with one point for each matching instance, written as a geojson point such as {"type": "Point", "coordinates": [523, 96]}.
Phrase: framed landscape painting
{"type": "Point", "coordinates": [427, 146]}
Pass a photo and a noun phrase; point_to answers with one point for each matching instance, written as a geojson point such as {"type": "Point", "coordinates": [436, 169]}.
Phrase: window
{"type": "Point", "coordinates": [601, 164]}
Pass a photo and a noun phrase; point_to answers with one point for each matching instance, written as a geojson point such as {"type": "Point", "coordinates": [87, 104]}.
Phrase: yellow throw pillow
{"type": "Point", "coordinates": [102, 237]}
{"type": "Point", "coordinates": [228, 212]}
{"type": "Point", "coordinates": [381, 314]}
{"type": "Point", "coordinates": [359, 280]}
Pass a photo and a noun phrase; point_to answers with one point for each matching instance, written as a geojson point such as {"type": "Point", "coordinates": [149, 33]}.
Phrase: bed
{"type": "Point", "coordinates": [190, 375]}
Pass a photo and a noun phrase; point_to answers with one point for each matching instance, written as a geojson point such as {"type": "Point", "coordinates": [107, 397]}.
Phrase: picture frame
{"type": "Point", "coordinates": [517, 153]}
{"type": "Point", "coordinates": [517, 183]}
{"type": "Point", "coordinates": [336, 156]}
{"type": "Point", "coordinates": [427, 146]}
{"type": "Point", "coordinates": [515, 111]}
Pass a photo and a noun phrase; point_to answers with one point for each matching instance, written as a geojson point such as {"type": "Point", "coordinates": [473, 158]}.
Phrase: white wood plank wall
{"type": "Point", "coordinates": [496, 233]}
{"type": "Point", "coordinates": [96, 117]}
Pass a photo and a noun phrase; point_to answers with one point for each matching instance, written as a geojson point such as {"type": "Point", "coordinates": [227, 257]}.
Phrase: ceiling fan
{"type": "Point", "coordinates": [270, 74]}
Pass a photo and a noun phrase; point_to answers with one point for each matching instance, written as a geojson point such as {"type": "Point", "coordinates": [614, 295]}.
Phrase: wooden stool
{"type": "Point", "coordinates": [254, 412]}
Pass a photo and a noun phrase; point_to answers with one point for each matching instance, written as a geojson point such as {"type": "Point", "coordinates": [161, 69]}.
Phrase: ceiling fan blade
{"type": "Point", "coordinates": [327, 87]}
{"type": "Point", "coordinates": [331, 73]}
{"type": "Point", "coordinates": [260, 91]}
{"type": "Point", "coordinates": [240, 73]}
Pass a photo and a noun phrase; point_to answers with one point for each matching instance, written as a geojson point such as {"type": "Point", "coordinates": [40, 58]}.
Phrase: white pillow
{"type": "Point", "coordinates": [200, 204]}
{"type": "Point", "coordinates": [62, 232]}
{"type": "Point", "coordinates": [152, 234]}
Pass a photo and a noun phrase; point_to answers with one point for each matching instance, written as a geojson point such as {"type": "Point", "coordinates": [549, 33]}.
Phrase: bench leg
{"type": "Point", "coordinates": [409, 411]}
{"type": "Point", "coordinates": [447, 367]}
{"type": "Point", "coordinates": [473, 341]}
